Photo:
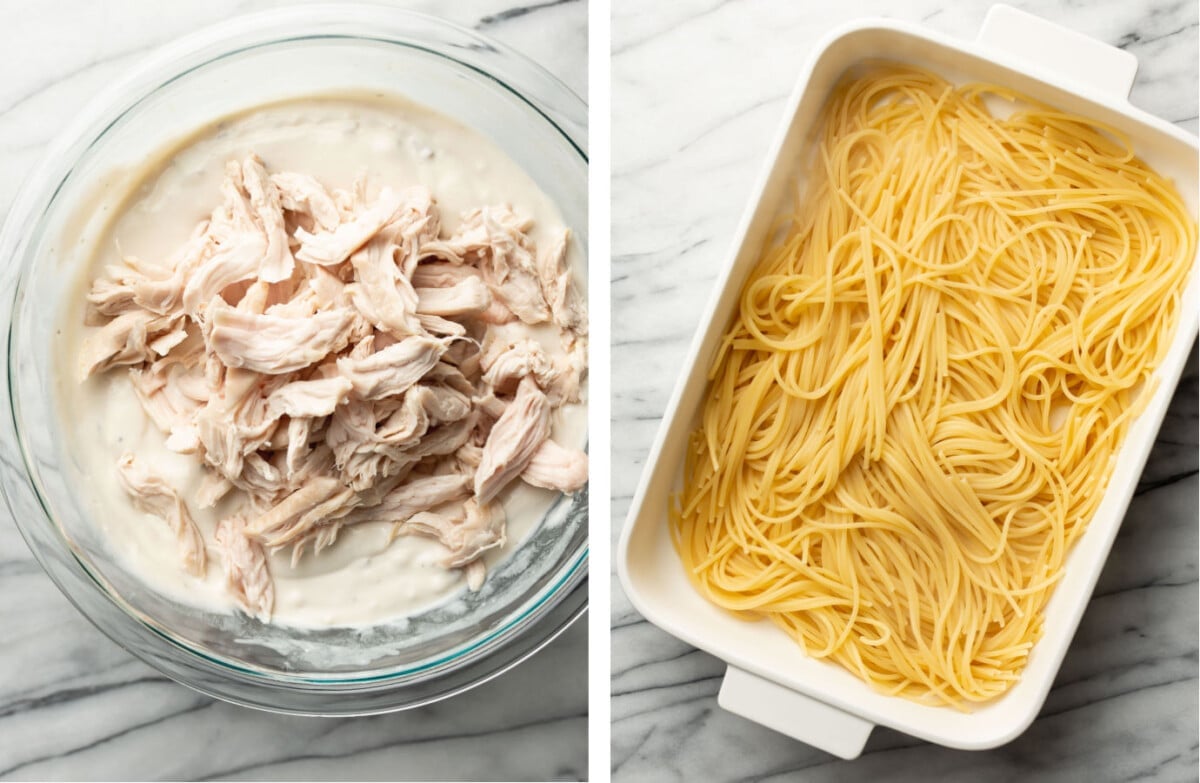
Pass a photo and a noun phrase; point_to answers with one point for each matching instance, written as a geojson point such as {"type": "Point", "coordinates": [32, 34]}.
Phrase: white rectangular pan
{"type": "Point", "coordinates": [769, 680]}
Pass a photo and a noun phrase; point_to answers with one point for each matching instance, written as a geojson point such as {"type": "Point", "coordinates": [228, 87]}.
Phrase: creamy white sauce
{"type": "Point", "coordinates": [362, 579]}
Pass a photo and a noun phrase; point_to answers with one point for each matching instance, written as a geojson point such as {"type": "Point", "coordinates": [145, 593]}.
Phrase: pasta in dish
{"type": "Point", "coordinates": [917, 406]}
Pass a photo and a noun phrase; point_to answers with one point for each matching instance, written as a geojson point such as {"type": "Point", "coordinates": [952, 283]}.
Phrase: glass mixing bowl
{"type": "Point", "coordinates": [528, 598]}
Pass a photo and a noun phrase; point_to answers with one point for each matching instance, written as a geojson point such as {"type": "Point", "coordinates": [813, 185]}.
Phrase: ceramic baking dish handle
{"type": "Point", "coordinates": [1062, 53]}
{"type": "Point", "coordinates": [794, 714]}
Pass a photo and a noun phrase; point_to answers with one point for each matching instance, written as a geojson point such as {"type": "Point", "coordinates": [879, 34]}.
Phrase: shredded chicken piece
{"type": "Point", "coordinates": [277, 263]}
{"type": "Point", "coordinates": [152, 495]}
{"type": "Point", "coordinates": [559, 289]}
{"type": "Point", "coordinates": [476, 572]}
{"type": "Point", "coordinates": [495, 237]}
{"type": "Point", "coordinates": [299, 432]}
{"type": "Point", "coordinates": [556, 468]}
{"type": "Point", "coordinates": [468, 297]}
{"type": "Point", "coordinates": [235, 422]}
{"type": "Point", "coordinates": [413, 497]}
{"type": "Point", "coordinates": [400, 503]}
{"type": "Point", "coordinates": [309, 505]}
{"type": "Point", "coordinates": [382, 294]}
{"type": "Point", "coordinates": [330, 248]}
{"type": "Point", "coordinates": [246, 570]}
{"type": "Point", "coordinates": [440, 403]}
{"type": "Point", "coordinates": [167, 405]}
{"type": "Point", "coordinates": [394, 369]}
{"type": "Point", "coordinates": [482, 530]}
{"type": "Point", "coordinates": [467, 533]}
{"type": "Point", "coordinates": [163, 344]}
{"type": "Point", "coordinates": [516, 435]}
{"type": "Point", "coordinates": [213, 487]}
{"type": "Point", "coordinates": [136, 284]}
{"type": "Point", "coordinates": [303, 194]}
{"type": "Point", "coordinates": [435, 324]}
{"type": "Point", "coordinates": [260, 479]}
{"type": "Point", "coordinates": [125, 340]}
{"type": "Point", "coordinates": [238, 246]}
{"type": "Point", "coordinates": [441, 274]}
{"type": "Point", "coordinates": [309, 398]}
{"type": "Point", "coordinates": [335, 359]}
{"type": "Point", "coordinates": [275, 344]}
{"type": "Point", "coordinates": [572, 370]}
{"type": "Point", "coordinates": [506, 362]}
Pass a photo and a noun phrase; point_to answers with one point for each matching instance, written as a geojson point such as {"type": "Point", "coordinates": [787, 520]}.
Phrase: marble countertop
{"type": "Point", "coordinates": [73, 705]}
{"type": "Point", "coordinates": [698, 88]}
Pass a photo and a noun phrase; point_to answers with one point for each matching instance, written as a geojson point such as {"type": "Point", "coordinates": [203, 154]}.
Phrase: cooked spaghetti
{"type": "Point", "coordinates": [918, 404]}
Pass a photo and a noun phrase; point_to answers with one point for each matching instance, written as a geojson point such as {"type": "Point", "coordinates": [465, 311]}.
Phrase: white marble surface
{"type": "Point", "coordinates": [74, 706]}
{"type": "Point", "coordinates": [698, 89]}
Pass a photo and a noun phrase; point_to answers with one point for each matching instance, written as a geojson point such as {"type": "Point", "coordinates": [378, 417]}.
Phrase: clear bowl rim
{"type": "Point", "coordinates": [173, 61]}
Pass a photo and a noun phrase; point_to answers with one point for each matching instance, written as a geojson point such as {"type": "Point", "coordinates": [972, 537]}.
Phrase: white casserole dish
{"type": "Point", "coordinates": [769, 680]}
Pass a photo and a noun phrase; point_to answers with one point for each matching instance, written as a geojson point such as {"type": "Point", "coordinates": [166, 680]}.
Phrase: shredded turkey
{"type": "Point", "coordinates": [336, 359]}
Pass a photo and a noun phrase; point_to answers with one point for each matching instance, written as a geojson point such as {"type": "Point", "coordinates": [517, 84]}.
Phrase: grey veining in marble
{"type": "Point", "coordinates": [75, 706]}
{"type": "Point", "coordinates": [698, 89]}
